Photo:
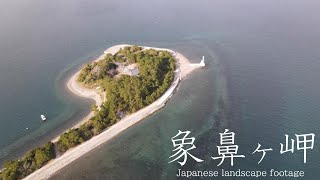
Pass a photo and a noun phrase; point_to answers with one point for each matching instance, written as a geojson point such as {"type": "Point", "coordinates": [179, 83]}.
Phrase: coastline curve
{"type": "Point", "coordinates": [183, 68]}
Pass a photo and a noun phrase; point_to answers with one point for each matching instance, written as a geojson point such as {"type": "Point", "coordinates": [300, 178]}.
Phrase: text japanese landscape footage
{"type": "Point", "coordinates": [228, 152]}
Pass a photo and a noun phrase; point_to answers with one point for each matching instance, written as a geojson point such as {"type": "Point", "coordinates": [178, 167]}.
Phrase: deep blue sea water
{"type": "Point", "coordinates": [261, 80]}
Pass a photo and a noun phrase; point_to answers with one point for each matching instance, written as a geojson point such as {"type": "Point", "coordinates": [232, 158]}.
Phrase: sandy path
{"type": "Point", "coordinates": [183, 69]}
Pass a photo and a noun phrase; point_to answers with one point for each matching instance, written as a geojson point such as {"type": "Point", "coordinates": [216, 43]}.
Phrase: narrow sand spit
{"type": "Point", "coordinates": [184, 67]}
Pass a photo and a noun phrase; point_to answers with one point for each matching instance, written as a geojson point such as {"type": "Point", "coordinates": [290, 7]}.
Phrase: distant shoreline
{"type": "Point", "coordinates": [183, 68]}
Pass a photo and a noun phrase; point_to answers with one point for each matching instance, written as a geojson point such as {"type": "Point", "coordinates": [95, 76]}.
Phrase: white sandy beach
{"type": "Point", "coordinates": [184, 67]}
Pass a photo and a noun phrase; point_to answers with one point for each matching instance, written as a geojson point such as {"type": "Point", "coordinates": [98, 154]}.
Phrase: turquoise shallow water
{"type": "Point", "coordinates": [261, 80]}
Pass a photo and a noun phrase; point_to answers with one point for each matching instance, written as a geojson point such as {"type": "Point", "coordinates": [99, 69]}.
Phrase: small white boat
{"type": "Point", "coordinates": [43, 117]}
{"type": "Point", "coordinates": [202, 64]}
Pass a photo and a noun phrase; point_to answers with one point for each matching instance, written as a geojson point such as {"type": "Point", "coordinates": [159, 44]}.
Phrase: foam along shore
{"type": "Point", "coordinates": [183, 68]}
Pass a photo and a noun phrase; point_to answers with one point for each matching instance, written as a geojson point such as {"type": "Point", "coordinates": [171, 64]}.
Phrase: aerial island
{"type": "Point", "coordinates": [128, 83]}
